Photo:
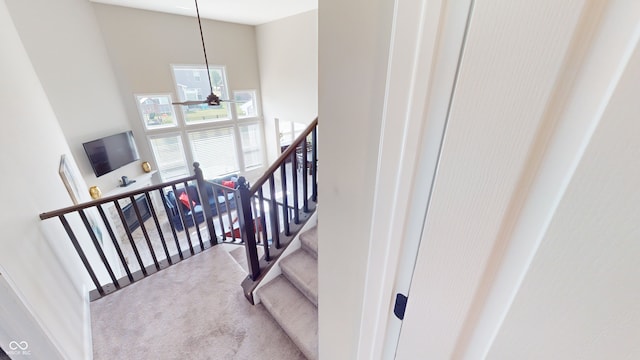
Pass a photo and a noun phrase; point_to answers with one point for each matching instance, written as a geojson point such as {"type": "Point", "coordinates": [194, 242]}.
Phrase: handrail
{"type": "Point", "coordinates": [106, 219]}
{"type": "Point", "coordinates": [274, 208]}
{"type": "Point", "coordinates": [283, 157]}
{"type": "Point", "coordinates": [104, 200]}
{"type": "Point", "coordinates": [269, 213]}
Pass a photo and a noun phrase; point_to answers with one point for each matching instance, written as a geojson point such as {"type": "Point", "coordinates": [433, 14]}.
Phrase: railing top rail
{"type": "Point", "coordinates": [283, 157]}
{"type": "Point", "coordinates": [215, 184]}
{"type": "Point", "coordinates": [104, 200]}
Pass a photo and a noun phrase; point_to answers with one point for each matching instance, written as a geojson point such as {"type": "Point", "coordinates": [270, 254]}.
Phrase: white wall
{"type": "Point", "coordinates": [144, 44]}
{"type": "Point", "coordinates": [288, 56]}
{"type": "Point", "coordinates": [39, 266]}
{"type": "Point", "coordinates": [92, 59]}
{"type": "Point", "coordinates": [68, 53]}
{"type": "Point", "coordinates": [352, 59]}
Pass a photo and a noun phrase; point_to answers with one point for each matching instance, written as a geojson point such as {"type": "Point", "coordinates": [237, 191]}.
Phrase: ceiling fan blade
{"type": "Point", "coordinates": [233, 101]}
{"type": "Point", "coordinates": [190, 102]}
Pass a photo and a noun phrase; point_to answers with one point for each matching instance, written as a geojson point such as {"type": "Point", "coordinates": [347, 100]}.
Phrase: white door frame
{"type": "Point", "coordinates": [421, 30]}
{"type": "Point", "coordinates": [426, 43]}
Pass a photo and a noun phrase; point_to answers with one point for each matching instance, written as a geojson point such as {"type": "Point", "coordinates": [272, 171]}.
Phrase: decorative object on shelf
{"type": "Point", "coordinates": [95, 192]}
{"type": "Point", "coordinates": [146, 166]}
{"type": "Point", "coordinates": [69, 179]}
{"type": "Point", "coordinates": [126, 182]}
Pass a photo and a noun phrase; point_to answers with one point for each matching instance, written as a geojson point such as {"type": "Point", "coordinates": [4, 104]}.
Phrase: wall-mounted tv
{"type": "Point", "coordinates": [112, 152]}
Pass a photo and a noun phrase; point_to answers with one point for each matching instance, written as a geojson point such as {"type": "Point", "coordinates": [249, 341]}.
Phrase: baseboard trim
{"type": "Point", "coordinates": [88, 334]}
{"type": "Point", "coordinates": [22, 319]}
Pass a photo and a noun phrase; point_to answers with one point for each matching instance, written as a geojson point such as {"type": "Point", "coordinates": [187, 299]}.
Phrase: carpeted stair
{"type": "Point", "coordinates": [240, 256]}
{"type": "Point", "coordinates": [292, 298]}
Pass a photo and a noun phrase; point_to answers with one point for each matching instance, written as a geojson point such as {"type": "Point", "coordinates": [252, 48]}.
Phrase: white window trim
{"type": "Point", "coordinates": [255, 99]}
{"type": "Point", "coordinates": [182, 129]}
{"type": "Point", "coordinates": [173, 111]}
{"type": "Point", "coordinates": [231, 109]}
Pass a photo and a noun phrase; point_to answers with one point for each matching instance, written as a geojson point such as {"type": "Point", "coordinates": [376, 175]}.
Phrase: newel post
{"type": "Point", "coordinates": [203, 190]}
{"type": "Point", "coordinates": [247, 229]}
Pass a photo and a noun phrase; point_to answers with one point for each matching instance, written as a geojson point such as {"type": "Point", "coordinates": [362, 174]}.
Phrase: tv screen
{"type": "Point", "coordinates": [111, 152]}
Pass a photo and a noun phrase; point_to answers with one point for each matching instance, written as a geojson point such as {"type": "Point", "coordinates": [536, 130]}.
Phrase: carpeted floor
{"type": "Point", "coordinates": [192, 310]}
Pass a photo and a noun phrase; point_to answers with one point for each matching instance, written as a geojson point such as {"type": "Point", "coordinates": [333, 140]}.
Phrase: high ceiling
{"type": "Point", "coordinates": [251, 12]}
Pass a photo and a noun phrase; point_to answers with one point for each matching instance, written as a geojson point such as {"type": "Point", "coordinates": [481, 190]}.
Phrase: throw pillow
{"type": "Point", "coordinates": [229, 183]}
{"type": "Point", "coordinates": [184, 198]}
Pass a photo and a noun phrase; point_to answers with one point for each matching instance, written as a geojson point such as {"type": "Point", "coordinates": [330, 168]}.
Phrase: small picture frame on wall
{"type": "Point", "coordinates": [68, 179]}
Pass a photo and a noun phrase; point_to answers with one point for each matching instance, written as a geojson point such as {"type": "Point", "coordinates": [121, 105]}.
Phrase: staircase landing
{"type": "Point", "coordinates": [192, 310]}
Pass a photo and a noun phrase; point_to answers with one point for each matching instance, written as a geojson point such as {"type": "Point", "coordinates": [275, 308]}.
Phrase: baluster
{"type": "Point", "coordinates": [116, 204]}
{"type": "Point", "coordinates": [173, 229]}
{"type": "Point", "coordinates": [98, 247]}
{"type": "Point", "coordinates": [263, 225]}
{"type": "Point", "coordinates": [285, 201]}
{"type": "Point", "coordinates": [256, 217]}
{"type": "Point", "coordinates": [194, 215]}
{"type": "Point", "coordinates": [294, 180]}
{"type": "Point", "coordinates": [144, 231]}
{"type": "Point", "coordinates": [273, 213]}
{"type": "Point", "coordinates": [314, 163]}
{"type": "Point", "coordinates": [115, 242]}
{"type": "Point", "coordinates": [158, 228]}
{"type": "Point", "coordinates": [203, 187]}
{"type": "Point", "coordinates": [220, 217]}
{"type": "Point", "coordinates": [228, 207]}
{"type": "Point", "coordinates": [243, 206]}
{"type": "Point", "coordinates": [305, 181]}
{"type": "Point", "coordinates": [183, 219]}
{"type": "Point", "coordinates": [85, 262]}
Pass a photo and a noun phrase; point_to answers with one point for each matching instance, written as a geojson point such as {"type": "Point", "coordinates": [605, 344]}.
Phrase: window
{"type": "Point", "coordinates": [156, 111]}
{"type": "Point", "coordinates": [215, 150]}
{"type": "Point", "coordinates": [250, 136]}
{"type": "Point", "coordinates": [170, 157]}
{"type": "Point", "coordinates": [224, 139]}
{"type": "Point", "coordinates": [289, 131]}
{"type": "Point", "coordinates": [246, 106]}
{"type": "Point", "coordinates": [189, 87]}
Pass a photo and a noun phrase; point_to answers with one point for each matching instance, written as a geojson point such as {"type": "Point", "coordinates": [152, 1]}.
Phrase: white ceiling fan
{"type": "Point", "coordinates": [212, 99]}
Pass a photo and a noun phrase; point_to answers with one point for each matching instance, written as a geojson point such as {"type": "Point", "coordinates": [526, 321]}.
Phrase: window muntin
{"type": "Point", "coordinates": [221, 140]}
{"type": "Point", "coordinates": [192, 84]}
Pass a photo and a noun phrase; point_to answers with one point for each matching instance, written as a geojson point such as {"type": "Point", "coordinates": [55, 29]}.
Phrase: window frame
{"type": "Point", "coordinates": [183, 128]}
{"type": "Point", "coordinates": [165, 134]}
{"type": "Point", "coordinates": [224, 96]}
{"type": "Point", "coordinates": [141, 114]}
{"type": "Point", "coordinates": [254, 97]}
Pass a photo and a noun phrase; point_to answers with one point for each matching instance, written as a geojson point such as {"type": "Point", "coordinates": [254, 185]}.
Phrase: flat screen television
{"type": "Point", "coordinates": [112, 152]}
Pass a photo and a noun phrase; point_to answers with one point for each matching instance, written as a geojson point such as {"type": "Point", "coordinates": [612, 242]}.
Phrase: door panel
{"type": "Point", "coordinates": [512, 68]}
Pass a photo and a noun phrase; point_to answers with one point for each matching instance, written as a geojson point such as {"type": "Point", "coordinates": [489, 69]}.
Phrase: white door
{"type": "Point", "coordinates": [541, 131]}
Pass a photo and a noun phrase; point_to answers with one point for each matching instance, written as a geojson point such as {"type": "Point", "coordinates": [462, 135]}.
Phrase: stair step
{"type": "Point", "coordinates": [240, 256]}
{"type": "Point", "coordinates": [301, 268]}
{"type": "Point", "coordinates": [309, 241]}
{"type": "Point", "coordinates": [296, 315]}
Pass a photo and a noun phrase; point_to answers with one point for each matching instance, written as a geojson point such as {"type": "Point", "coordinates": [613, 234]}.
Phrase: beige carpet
{"type": "Point", "coordinates": [192, 310]}
{"type": "Point", "coordinates": [292, 298]}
